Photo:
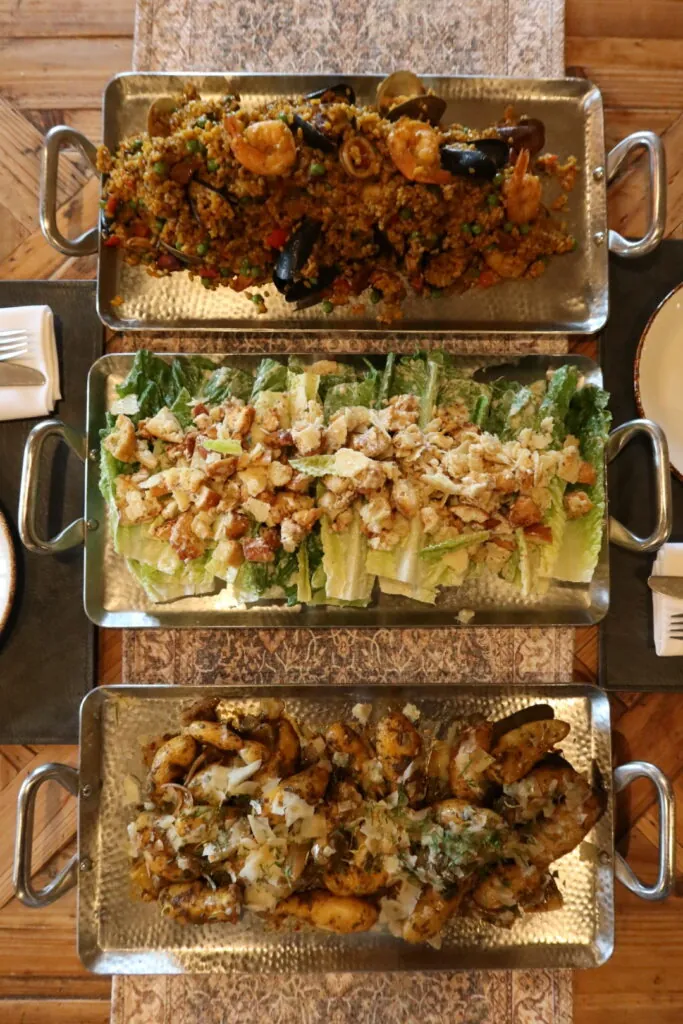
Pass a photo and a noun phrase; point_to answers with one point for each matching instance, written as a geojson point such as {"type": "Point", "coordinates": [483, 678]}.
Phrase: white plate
{"type": "Point", "coordinates": [658, 375]}
{"type": "Point", "coordinates": [8, 572]}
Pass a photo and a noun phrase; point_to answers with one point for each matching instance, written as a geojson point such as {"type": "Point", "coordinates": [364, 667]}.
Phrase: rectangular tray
{"type": "Point", "coordinates": [113, 597]}
{"type": "Point", "coordinates": [119, 936]}
{"type": "Point", "coordinates": [570, 297]}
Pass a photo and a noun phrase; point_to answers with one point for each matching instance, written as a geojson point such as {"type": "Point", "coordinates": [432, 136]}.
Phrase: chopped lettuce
{"type": "Point", "coordinates": [270, 376]}
{"type": "Point", "coordinates": [458, 388]}
{"type": "Point", "coordinates": [345, 462]}
{"type": "Point", "coordinates": [225, 446]}
{"type": "Point", "coordinates": [302, 389]}
{"type": "Point", "coordinates": [351, 393]}
{"type": "Point", "coordinates": [227, 382]}
{"type": "Point", "coordinates": [157, 383]}
{"type": "Point", "coordinates": [559, 394]}
{"type": "Point", "coordinates": [435, 551]}
{"type": "Point", "coordinates": [256, 580]}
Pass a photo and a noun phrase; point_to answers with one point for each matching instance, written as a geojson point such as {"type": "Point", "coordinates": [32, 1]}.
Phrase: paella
{"type": "Point", "coordinates": [330, 201]}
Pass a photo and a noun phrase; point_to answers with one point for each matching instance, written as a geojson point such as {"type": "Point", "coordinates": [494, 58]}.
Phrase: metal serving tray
{"type": "Point", "coordinates": [119, 936]}
{"type": "Point", "coordinates": [114, 598]}
{"type": "Point", "coordinates": [572, 296]}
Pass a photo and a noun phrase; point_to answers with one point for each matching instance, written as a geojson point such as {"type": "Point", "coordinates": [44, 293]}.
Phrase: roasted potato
{"type": "Point", "coordinates": [438, 763]}
{"type": "Point", "coordinates": [221, 736]}
{"type": "Point", "coordinates": [517, 751]}
{"type": "Point", "coordinates": [342, 914]}
{"type": "Point", "coordinates": [467, 771]}
{"type": "Point", "coordinates": [171, 761]}
{"type": "Point", "coordinates": [432, 911]}
{"type": "Point", "coordinates": [310, 785]}
{"type": "Point", "coordinates": [547, 783]}
{"type": "Point", "coordinates": [365, 768]}
{"type": "Point", "coordinates": [198, 903]}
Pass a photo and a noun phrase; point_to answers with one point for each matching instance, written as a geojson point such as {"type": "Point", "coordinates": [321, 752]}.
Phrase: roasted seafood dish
{"type": "Point", "coordinates": [362, 824]}
{"type": "Point", "coordinates": [331, 201]}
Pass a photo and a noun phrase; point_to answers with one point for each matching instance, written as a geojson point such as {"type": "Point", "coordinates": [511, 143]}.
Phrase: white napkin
{"type": "Point", "coordinates": [669, 562]}
{"type": "Point", "coordinates": [39, 400]}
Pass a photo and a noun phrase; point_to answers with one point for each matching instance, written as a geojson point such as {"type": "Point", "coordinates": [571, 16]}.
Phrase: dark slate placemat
{"type": "Point", "coordinates": [47, 648]}
{"type": "Point", "coordinates": [628, 651]}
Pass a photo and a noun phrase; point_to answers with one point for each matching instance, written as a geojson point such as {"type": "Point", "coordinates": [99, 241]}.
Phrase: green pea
{"type": "Point", "coordinates": [313, 281]}
{"type": "Point", "coordinates": [436, 293]}
{"type": "Point", "coordinates": [136, 146]}
{"type": "Point", "coordinates": [212, 165]}
{"type": "Point", "coordinates": [202, 248]}
{"type": "Point", "coordinates": [160, 167]}
{"type": "Point", "coordinates": [466, 229]}
{"type": "Point", "coordinates": [257, 299]}
{"type": "Point", "coordinates": [575, 244]}
{"type": "Point", "coordinates": [133, 203]}
{"type": "Point", "coordinates": [508, 226]}
{"type": "Point", "coordinates": [206, 281]}
{"type": "Point", "coordinates": [327, 306]}
{"type": "Point", "coordinates": [225, 271]}
{"type": "Point", "coordinates": [245, 200]}
{"type": "Point", "coordinates": [179, 246]}
{"type": "Point", "coordinates": [200, 122]}
{"type": "Point", "coordinates": [524, 229]}
{"type": "Point", "coordinates": [498, 179]}
{"type": "Point", "coordinates": [192, 145]}
{"type": "Point", "coordinates": [317, 170]}
{"type": "Point", "coordinates": [283, 117]}
{"type": "Point", "coordinates": [492, 199]}
{"type": "Point", "coordinates": [405, 213]}
{"type": "Point", "coordinates": [476, 229]}
{"type": "Point", "coordinates": [244, 266]}
{"type": "Point", "coordinates": [159, 223]}
{"type": "Point", "coordinates": [375, 296]}
{"type": "Point", "coordinates": [415, 236]}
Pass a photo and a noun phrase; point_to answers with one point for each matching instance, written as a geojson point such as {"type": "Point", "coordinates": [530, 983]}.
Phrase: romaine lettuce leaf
{"type": "Point", "coordinates": [189, 580]}
{"type": "Point", "coordinates": [344, 562]}
{"type": "Point", "coordinates": [270, 376]}
{"type": "Point", "coordinates": [349, 393]}
{"type": "Point", "coordinates": [435, 551]}
{"type": "Point", "coordinates": [226, 382]}
{"type": "Point", "coordinates": [158, 383]}
{"type": "Point", "coordinates": [559, 394]}
{"type": "Point", "coordinates": [556, 519]}
{"type": "Point", "coordinates": [223, 445]}
{"type": "Point", "coordinates": [345, 462]}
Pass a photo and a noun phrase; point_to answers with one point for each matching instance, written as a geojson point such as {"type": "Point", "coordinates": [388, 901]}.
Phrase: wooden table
{"type": "Point", "coordinates": [56, 57]}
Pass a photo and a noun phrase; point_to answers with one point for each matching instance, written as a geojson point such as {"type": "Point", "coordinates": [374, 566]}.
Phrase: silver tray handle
{"type": "Point", "coordinates": [623, 776]}
{"type": "Point", "coordinates": [656, 158]}
{"type": "Point", "coordinates": [74, 533]}
{"type": "Point", "coordinates": [86, 244]}
{"type": "Point", "coordinates": [21, 872]}
{"type": "Point", "coordinates": [618, 439]}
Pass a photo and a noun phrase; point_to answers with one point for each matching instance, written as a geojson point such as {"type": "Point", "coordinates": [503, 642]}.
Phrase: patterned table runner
{"type": "Point", "coordinates": [505, 37]}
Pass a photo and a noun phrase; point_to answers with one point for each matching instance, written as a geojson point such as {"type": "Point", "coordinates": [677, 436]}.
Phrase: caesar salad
{"type": "Point", "coordinates": [324, 483]}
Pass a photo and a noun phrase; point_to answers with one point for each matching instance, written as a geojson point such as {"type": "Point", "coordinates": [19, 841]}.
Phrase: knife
{"type": "Point", "coordinates": [12, 375]}
{"type": "Point", "coordinates": [669, 586]}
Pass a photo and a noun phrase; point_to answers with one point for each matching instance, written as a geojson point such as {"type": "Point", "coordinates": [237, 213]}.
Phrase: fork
{"type": "Point", "coordinates": [13, 344]}
{"type": "Point", "coordinates": [676, 626]}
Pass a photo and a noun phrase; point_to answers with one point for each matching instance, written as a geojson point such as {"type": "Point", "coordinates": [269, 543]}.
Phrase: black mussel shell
{"type": "Point", "coordinates": [333, 94]}
{"type": "Point", "coordinates": [314, 133]}
{"type": "Point", "coordinates": [306, 294]}
{"type": "Point", "coordinates": [294, 255]}
{"type": "Point", "coordinates": [421, 108]}
{"type": "Point", "coordinates": [194, 191]}
{"type": "Point", "coordinates": [528, 134]}
{"type": "Point", "coordinates": [468, 163]}
{"type": "Point", "coordinates": [495, 149]}
{"type": "Point", "coordinates": [105, 225]}
{"type": "Point", "coordinates": [384, 246]}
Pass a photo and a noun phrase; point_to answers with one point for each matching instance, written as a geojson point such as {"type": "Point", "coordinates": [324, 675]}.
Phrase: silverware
{"type": "Point", "coordinates": [669, 586]}
{"type": "Point", "coordinates": [14, 376]}
{"type": "Point", "coordinates": [13, 344]}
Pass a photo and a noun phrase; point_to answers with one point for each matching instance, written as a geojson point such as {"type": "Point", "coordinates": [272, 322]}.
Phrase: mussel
{"type": "Point", "coordinates": [341, 92]}
{"type": "Point", "coordinates": [159, 114]}
{"type": "Point", "coordinates": [468, 163]}
{"type": "Point", "coordinates": [528, 134]}
{"type": "Point", "coordinates": [306, 294]}
{"type": "Point", "coordinates": [209, 205]}
{"type": "Point", "coordinates": [293, 258]}
{"type": "Point", "coordinates": [183, 257]}
{"type": "Point", "coordinates": [495, 149]}
{"type": "Point", "coordinates": [402, 94]}
{"type": "Point", "coordinates": [314, 133]}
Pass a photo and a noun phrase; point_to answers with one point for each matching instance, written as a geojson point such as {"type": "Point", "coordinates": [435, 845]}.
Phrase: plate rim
{"type": "Point", "coordinates": [678, 473]}
{"type": "Point", "coordinates": [12, 590]}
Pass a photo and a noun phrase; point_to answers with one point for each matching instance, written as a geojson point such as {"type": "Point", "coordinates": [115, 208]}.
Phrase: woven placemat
{"type": "Point", "coordinates": [503, 37]}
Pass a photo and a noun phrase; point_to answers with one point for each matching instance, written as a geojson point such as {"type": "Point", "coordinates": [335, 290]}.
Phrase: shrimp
{"type": "Point", "coordinates": [196, 903]}
{"type": "Point", "coordinates": [522, 192]}
{"type": "Point", "coordinates": [216, 734]}
{"type": "Point", "coordinates": [506, 264]}
{"type": "Point", "coordinates": [415, 149]}
{"type": "Point", "coordinates": [341, 914]}
{"type": "Point", "coordinates": [264, 147]}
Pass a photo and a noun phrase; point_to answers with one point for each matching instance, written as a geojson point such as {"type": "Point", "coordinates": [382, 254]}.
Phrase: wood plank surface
{"type": "Point", "coordinates": [55, 58]}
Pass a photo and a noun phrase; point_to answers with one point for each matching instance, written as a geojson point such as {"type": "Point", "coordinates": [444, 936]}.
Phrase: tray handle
{"type": "Point", "coordinates": [73, 534]}
{"type": "Point", "coordinates": [618, 439]}
{"type": "Point", "coordinates": [623, 776]}
{"type": "Point", "coordinates": [66, 776]}
{"type": "Point", "coordinates": [656, 163]}
{"type": "Point", "coordinates": [86, 244]}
